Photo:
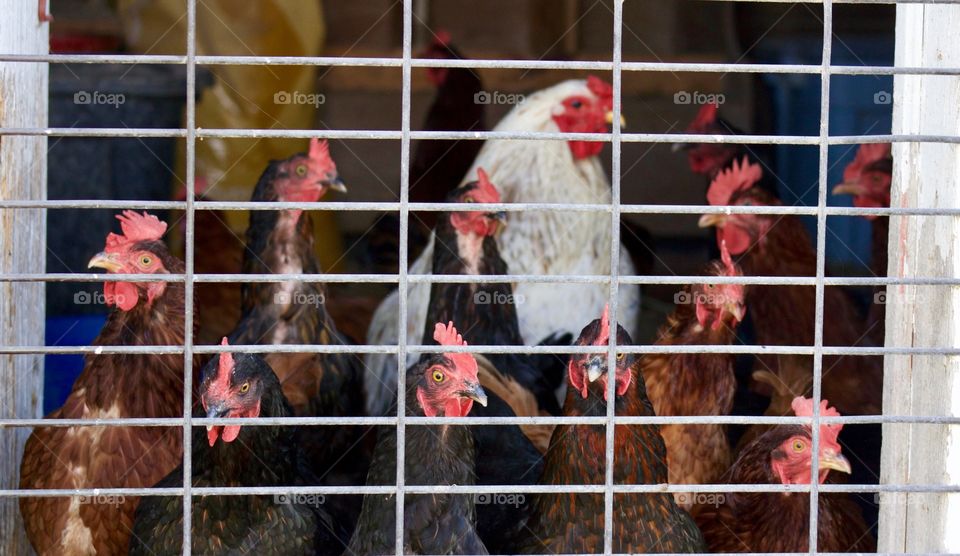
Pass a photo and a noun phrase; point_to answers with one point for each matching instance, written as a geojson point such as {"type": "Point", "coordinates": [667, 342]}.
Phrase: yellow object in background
{"type": "Point", "coordinates": [252, 97]}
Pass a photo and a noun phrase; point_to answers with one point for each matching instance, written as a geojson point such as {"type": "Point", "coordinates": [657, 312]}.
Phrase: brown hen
{"type": "Point", "coordinates": [113, 387]}
{"type": "Point", "coordinates": [697, 383]}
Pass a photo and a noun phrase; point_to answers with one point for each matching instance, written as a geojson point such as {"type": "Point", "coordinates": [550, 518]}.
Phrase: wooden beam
{"type": "Point", "coordinates": [23, 175]}
{"type": "Point", "coordinates": [925, 175]}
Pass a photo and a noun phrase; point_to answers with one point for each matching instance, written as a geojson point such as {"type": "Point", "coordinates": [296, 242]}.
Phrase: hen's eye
{"type": "Point", "coordinates": [709, 286]}
{"type": "Point", "coordinates": [468, 200]}
{"type": "Point", "coordinates": [620, 356]}
{"type": "Point", "coordinates": [145, 260]}
{"type": "Point", "coordinates": [301, 170]}
{"type": "Point", "coordinates": [244, 388]}
{"type": "Point", "coordinates": [576, 104]}
{"type": "Point", "coordinates": [798, 445]}
{"type": "Point", "coordinates": [437, 375]}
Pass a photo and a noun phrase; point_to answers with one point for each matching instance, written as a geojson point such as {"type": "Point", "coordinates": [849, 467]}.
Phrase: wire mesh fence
{"type": "Point", "coordinates": [403, 278]}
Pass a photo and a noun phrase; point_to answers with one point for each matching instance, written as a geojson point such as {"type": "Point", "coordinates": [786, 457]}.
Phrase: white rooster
{"type": "Point", "coordinates": [534, 242]}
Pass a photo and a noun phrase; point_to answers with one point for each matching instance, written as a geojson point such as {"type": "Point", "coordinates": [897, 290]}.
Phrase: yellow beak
{"type": "Point", "coordinates": [105, 261]}
{"type": "Point", "coordinates": [835, 462]}
{"type": "Point", "coordinates": [338, 185]}
{"type": "Point", "coordinates": [737, 310]}
{"type": "Point", "coordinates": [610, 116]}
{"type": "Point", "coordinates": [708, 220]}
{"type": "Point", "coordinates": [847, 189]}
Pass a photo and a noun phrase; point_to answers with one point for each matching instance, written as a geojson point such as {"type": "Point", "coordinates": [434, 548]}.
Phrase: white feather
{"type": "Point", "coordinates": [534, 242]}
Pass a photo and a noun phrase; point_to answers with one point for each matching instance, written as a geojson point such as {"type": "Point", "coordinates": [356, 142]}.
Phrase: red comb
{"type": "Point", "coordinates": [464, 362]}
{"type": "Point", "coordinates": [803, 407]}
{"type": "Point", "coordinates": [867, 154]}
{"type": "Point", "coordinates": [442, 38]}
{"type": "Point", "coordinates": [706, 116]}
{"type": "Point", "coordinates": [447, 335]}
{"type": "Point", "coordinates": [736, 178]}
{"type": "Point", "coordinates": [604, 337]}
{"type": "Point", "coordinates": [320, 150]}
{"type": "Point", "coordinates": [600, 88]}
{"type": "Point", "coordinates": [487, 187]}
{"type": "Point", "coordinates": [136, 227]}
{"type": "Point", "coordinates": [226, 362]}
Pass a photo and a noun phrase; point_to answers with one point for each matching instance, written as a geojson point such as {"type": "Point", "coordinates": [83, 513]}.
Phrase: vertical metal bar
{"type": "Point", "coordinates": [402, 278]}
{"type": "Point", "coordinates": [614, 284]}
{"type": "Point", "coordinates": [191, 123]}
{"type": "Point", "coordinates": [821, 264]}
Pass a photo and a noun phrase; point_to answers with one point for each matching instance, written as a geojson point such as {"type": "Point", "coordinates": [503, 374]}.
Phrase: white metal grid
{"type": "Point", "coordinates": [616, 66]}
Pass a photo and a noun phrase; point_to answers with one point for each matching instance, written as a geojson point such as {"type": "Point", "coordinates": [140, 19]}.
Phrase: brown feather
{"type": "Point", "coordinates": [110, 386]}
{"type": "Point", "coordinates": [520, 400]}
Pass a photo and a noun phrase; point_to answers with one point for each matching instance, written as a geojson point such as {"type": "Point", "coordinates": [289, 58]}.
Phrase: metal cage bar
{"type": "Point", "coordinates": [191, 154]}
{"type": "Point", "coordinates": [821, 236]}
{"type": "Point", "coordinates": [405, 135]}
{"type": "Point", "coordinates": [403, 268]}
{"type": "Point", "coordinates": [613, 301]}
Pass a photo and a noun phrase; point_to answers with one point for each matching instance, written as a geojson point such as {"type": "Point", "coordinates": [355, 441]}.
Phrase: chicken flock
{"type": "Point", "coordinates": [451, 383]}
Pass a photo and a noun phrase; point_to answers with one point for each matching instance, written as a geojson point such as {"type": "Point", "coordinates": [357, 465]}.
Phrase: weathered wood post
{"type": "Point", "coordinates": [23, 175]}
{"type": "Point", "coordinates": [925, 175]}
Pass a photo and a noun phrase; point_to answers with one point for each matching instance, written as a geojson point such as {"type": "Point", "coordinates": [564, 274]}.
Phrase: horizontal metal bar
{"type": "Point", "coordinates": [339, 206]}
{"type": "Point", "coordinates": [475, 489]}
{"type": "Point", "coordinates": [391, 62]}
{"type": "Point", "coordinates": [480, 135]}
{"type": "Point", "coordinates": [392, 349]}
{"type": "Point", "coordinates": [849, 281]}
{"type": "Point", "coordinates": [468, 421]}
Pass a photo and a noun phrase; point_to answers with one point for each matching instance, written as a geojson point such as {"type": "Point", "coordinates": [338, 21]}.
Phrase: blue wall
{"type": "Point", "coordinates": [859, 105]}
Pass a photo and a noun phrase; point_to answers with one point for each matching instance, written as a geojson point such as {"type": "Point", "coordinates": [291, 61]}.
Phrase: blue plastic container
{"type": "Point", "coordinates": [60, 371]}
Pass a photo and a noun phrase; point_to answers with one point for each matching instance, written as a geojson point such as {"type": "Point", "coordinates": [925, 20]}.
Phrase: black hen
{"type": "Point", "coordinates": [487, 312]}
{"type": "Point", "coordinates": [442, 384]}
{"type": "Point", "coordinates": [487, 315]}
{"type": "Point", "coordinates": [239, 385]}
{"type": "Point", "coordinates": [574, 523]}
{"type": "Point", "coordinates": [293, 312]}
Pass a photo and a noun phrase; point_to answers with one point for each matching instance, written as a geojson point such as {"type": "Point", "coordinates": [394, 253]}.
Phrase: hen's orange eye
{"type": "Point", "coordinates": [145, 260]}
{"type": "Point", "coordinates": [468, 200]}
{"type": "Point", "coordinates": [245, 387]}
{"type": "Point", "coordinates": [798, 445]}
{"type": "Point", "coordinates": [301, 170]}
{"type": "Point", "coordinates": [620, 356]}
{"type": "Point", "coordinates": [437, 375]}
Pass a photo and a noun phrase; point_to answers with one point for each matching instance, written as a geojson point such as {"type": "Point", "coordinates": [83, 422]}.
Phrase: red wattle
{"type": "Point", "coordinates": [737, 240]}
{"type": "Point", "coordinates": [213, 433]}
{"type": "Point", "coordinates": [122, 294]}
